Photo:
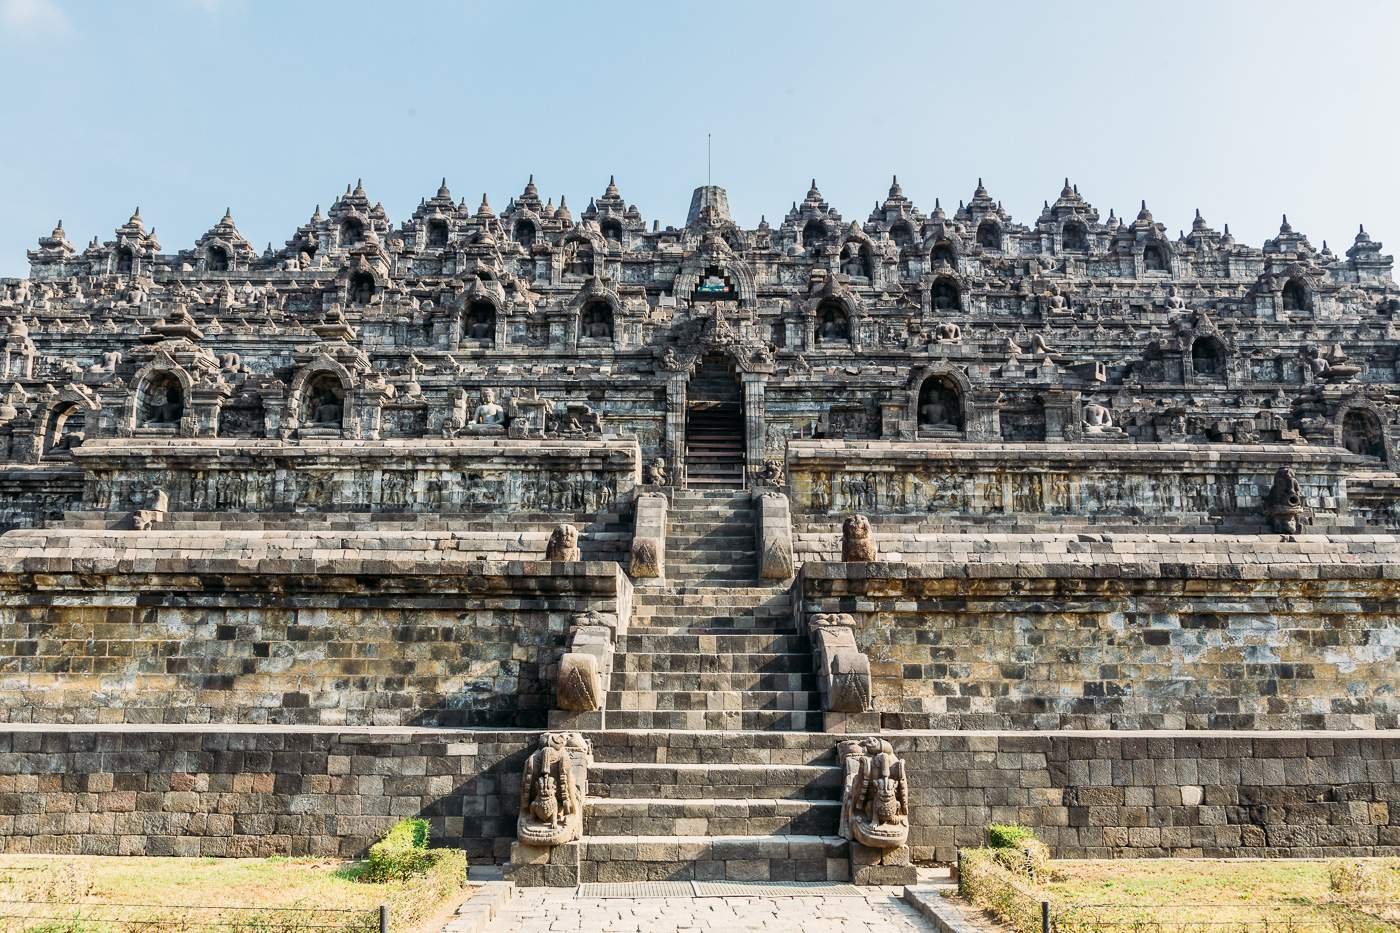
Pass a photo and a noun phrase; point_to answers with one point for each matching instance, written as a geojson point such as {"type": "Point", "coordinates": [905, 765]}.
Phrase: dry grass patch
{"type": "Point", "coordinates": [1219, 895]}
{"type": "Point", "coordinates": [73, 893]}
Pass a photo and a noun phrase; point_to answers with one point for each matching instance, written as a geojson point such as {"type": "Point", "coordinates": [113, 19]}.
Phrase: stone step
{"type": "Point", "coordinates": [715, 858]}
{"type": "Point", "coordinates": [627, 780]}
{"type": "Point", "coordinates": [672, 622]}
{"type": "Point", "coordinates": [712, 574]}
{"type": "Point", "coordinates": [714, 748]}
{"type": "Point", "coordinates": [706, 681]}
{"type": "Point", "coordinates": [692, 566]}
{"type": "Point", "coordinates": [715, 720]}
{"type": "Point", "coordinates": [767, 608]}
{"type": "Point", "coordinates": [710, 816]}
{"type": "Point", "coordinates": [691, 498]}
{"type": "Point", "coordinates": [709, 663]}
{"type": "Point", "coordinates": [713, 644]}
{"type": "Point", "coordinates": [758, 594]}
{"type": "Point", "coordinates": [717, 700]}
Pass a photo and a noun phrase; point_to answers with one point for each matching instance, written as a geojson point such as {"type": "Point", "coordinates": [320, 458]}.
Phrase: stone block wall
{"type": "Point", "coordinates": [255, 792]}
{"type": "Point", "coordinates": [1044, 632]}
{"type": "Point", "coordinates": [373, 638]}
{"type": "Point", "coordinates": [245, 791]}
{"type": "Point", "coordinates": [1130, 795]}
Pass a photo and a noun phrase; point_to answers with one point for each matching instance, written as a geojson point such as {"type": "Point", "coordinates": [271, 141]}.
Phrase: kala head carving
{"type": "Point", "coordinates": [857, 540]}
{"type": "Point", "coordinates": [875, 795]}
{"type": "Point", "coordinates": [552, 790]}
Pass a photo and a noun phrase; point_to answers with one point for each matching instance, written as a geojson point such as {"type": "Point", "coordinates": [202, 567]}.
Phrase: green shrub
{"type": "Point", "coordinates": [988, 884]}
{"type": "Point", "coordinates": [1029, 859]}
{"type": "Point", "coordinates": [1007, 835]}
{"type": "Point", "coordinates": [403, 853]}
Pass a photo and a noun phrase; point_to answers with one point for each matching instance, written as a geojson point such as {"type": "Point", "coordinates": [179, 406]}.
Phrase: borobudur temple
{"type": "Point", "coordinates": [624, 551]}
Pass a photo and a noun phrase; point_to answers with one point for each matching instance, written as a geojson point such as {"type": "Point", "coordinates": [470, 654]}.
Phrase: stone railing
{"type": "Point", "coordinates": [585, 670]}
{"type": "Point", "coordinates": [1028, 484]}
{"type": "Point", "coordinates": [773, 536]}
{"type": "Point", "coordinates": [421, 475]}
{"type": "Point", "coordinates": [843, 674]}
{"type": "Point", "coordinates": [647, 560]}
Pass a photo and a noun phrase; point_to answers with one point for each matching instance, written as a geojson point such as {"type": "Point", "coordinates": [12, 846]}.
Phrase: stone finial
{"type": "Point", "coordinates": [858, 540]}
{"type": "Point", "coordinates": [563, 544]}
{"type": "Point", "coordinates": [1284, 503]}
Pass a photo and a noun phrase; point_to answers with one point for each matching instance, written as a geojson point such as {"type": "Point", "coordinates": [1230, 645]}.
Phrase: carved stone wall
{"type": "Point", "coordinates": [462, 475]}
{"type": "Point", "coordinates": [1050, 485]}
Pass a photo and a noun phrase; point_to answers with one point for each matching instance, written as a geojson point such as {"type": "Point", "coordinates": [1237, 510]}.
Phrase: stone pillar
{"type": "Point", "coordinates": [1061, 414]}
{"type": "Point", "coordinates": [446, 326]}
{"type": "Point", "coordinates": [984, 419]}
{"type": "Point", "coordinates": [206, 403]}
{"type": "Point", "coordinates": [26, 438]}
{"type": "Point", "coordinates": [755, 425]}
{"type": "Point", "coordinates": [675, 425]}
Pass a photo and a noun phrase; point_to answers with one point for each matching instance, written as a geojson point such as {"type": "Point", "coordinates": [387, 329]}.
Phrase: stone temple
{"type": "Point", "coordinates": [622, 551]}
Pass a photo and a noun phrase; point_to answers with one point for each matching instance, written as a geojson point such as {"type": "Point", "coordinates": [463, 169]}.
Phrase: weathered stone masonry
{"type": "Point", "coordinates": [1066, 521]}
{"type": "Point", "coordinates": [241, 792]}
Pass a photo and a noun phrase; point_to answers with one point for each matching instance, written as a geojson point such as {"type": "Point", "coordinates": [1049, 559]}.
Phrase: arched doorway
{"type": "Point", "coordinates": [714, 426]}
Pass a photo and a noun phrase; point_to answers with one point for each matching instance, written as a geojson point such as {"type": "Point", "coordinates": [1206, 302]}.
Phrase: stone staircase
{"type": "Point", "coordinates": [697, 806]}
{"type": "Point", "coordinates": [706, 770]}
{"type": "Point", "coordinates": [714, 447]}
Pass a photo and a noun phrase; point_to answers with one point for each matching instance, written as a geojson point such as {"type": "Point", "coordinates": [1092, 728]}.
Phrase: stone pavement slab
{"type": "Point", "coordinates": [553, 910]}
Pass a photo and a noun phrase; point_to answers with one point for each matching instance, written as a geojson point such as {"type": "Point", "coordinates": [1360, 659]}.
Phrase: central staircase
{"type": "Point", "coordinates": [707, 770]}
{"type": "Point", "coordinates": [714, 446]}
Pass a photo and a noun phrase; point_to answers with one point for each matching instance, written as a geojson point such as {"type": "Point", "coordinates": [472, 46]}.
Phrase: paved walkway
{"type": "Point", "coordinates": [561, 910]}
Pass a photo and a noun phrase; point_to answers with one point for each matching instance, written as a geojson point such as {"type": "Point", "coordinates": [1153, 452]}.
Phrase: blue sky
{"type": "Point", "coordinates": [1243, 109]}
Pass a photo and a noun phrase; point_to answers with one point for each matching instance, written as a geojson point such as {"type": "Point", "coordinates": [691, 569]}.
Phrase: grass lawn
{"type": "Point", "coordinates": [1218, 894]}
{"type": "Point", "coordinates": [71, 893]}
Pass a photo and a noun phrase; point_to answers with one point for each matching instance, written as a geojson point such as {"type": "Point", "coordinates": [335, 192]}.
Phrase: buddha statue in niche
{"type": "Point", "coordinates": [488, 417]}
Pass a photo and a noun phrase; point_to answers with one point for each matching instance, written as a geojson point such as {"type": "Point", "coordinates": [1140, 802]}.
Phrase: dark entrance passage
{"type": "Point", "coordinates": [714, 427]}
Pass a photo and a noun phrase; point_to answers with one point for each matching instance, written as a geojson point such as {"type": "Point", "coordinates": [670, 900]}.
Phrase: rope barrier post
{"type": "Point", "coordinates": [957, 871]}
{"type": "Point", "coordinates": [1044, 917]}
{"type": "Point", "coordinates": [383, 918]}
